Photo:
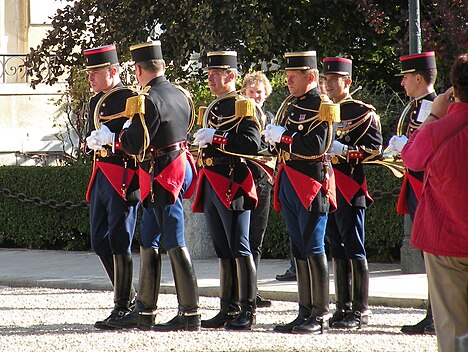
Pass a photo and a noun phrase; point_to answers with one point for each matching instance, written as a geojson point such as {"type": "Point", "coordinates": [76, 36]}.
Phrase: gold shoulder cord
{"type": "Point", "coordinates": [401, 120]}
{"type": "Point", "coordinates": [244, 107]}
{"type": "Point", "coordinates": [188, 96]}
{"type": "Point", "coordinates": [330, 113]}
{"type": "Point", "coordinates": [279, 117]}
{"type": "Point", "coordinates": [98, 117]}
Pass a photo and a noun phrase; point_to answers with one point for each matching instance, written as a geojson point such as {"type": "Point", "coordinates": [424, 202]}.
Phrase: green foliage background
{"type": "Point", "coordinates": [28, 225]}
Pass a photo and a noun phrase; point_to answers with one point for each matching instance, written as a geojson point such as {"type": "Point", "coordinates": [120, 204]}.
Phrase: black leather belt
{"type": "Point", "coordinates": [286, 156]}
{"type": "Point", "coordinates": [107, 153]}
{"type": "Point", "coordinates": [171, 148]}
{"type": "Point", "coordinates": [219, 160]}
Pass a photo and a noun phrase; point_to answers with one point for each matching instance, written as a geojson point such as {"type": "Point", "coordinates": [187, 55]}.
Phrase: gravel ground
{"type": "Point", "coordinates": [39, 319]}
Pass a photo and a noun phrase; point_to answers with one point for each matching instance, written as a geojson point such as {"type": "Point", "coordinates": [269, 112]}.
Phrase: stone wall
{"type": "Point", "coordinates": [197, 237]}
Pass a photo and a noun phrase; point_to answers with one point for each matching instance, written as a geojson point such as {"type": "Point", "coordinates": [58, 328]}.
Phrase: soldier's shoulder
{"type": "Point", "coordinates": [356, 105]}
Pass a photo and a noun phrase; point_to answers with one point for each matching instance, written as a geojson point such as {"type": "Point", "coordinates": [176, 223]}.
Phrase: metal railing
{"type": "Point", "coordinates": [13, 68]}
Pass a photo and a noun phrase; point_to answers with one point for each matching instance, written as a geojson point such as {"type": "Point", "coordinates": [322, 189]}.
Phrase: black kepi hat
{"type": "Point", "coordinates": [337, 65]}
{"type": "Point", "coordinates": [222, 59]}
{"type": "Point", "coordinates": [303, 60]}
{"type": "Point", "coordinates": [100, 57]}
{"type": "Point", "coordinates": [417, 62]}
{"type": "Point", "coordinates": [146, 51]}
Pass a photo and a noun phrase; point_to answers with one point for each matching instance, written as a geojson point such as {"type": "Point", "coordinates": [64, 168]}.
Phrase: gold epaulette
{"type": "Point", "coordinates": [201, 113]}
{"type": "Point", "coordinates": [328, 111]}
{"type": "Point", "coordinates": [136, 104]}
{"type": "Point", "coordinates": [244, 107]}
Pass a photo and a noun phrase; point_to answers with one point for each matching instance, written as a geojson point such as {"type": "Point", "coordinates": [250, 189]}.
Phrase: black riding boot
{"type": "Point", "coordinates": [317, 322]}
{"type": "Point", "coordinates": [142, 316]}
{"type": "Point", "coordinates": [304, 291]}
{"type": "Point", "coordinates": [359, 314]}
{"type": "Point", "coordinates": [108, 264]}
{"type": "Point", "coordinates": [342, 274]}
{"type": "Point", "coordinates": [425, 326]}
{"type": "Point", "coordinates": [259, 300]}
{"type": "Point", "coordinates": [247, 280]}
{"type": "Point", "coordinates": [228, 295]}
{"type": "Point", "coordinates": [123, 276]}
{"type": "Point", "coordinates": [185, 280]}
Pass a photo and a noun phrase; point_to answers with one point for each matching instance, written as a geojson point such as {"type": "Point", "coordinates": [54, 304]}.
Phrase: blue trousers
{"type": "Point", "coordinates": [112, 219]}
{"type": "Point", "coordinates": [229, 229]}
{"type": "Point", "coordinates": [166, 221]}
{"type": "Point", "coordinates": [305, 228]}
{"type": "Point", "coordinates": [345, 231]}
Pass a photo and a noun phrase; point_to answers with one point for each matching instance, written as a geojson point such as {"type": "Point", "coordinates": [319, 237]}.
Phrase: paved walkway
{"type": "Point", "coordinates": [82, 270]}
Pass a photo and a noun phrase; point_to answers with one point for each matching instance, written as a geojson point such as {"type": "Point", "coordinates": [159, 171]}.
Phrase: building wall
{"type": "Point", "coordinates": [31, 125]}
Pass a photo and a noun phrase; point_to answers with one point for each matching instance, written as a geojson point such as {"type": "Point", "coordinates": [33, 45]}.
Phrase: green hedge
{"type": "Point", "coordinates": [26, 224]}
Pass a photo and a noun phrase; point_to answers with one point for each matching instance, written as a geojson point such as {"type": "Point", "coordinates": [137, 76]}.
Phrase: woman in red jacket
{"type": "Point", "coordinates": [441, 225]}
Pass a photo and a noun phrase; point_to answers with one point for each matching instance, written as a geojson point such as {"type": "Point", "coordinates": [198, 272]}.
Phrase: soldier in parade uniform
{"type": "Point", "coordinates": [304, 186]}
{"type": "Point", "coordinates": [358, 139]}
{"type": "Point", "coordinates": [419, 73]}
{"type": "Point", "coordinates": [157, 134]}
{"type": "Point", "coordinates": [113, 187]}
{"type": "Point", "coordinates": [226, 192]}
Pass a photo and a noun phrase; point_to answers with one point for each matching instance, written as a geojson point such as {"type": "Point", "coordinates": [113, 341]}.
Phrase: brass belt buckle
{"type": "Point", "coordinates": [209, 161]}
{"type": "Point", "coordinates": [103, 153]}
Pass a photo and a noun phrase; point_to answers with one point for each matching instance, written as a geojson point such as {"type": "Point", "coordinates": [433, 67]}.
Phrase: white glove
{"type": "Point", "coordinates": [92, 143]}
{"type": "Point", "coordinates": [398, 142]}
{"type": "Point", "coordinates": [273, 133]}
{"type": "Point", "coordinates": [127, 124]}
{"type": "Point", "coordinates": [204, 136]}
{"type": "Point", "coordinates": [103, 136]}
{"type": "Point", "coordinates": [337, 148]}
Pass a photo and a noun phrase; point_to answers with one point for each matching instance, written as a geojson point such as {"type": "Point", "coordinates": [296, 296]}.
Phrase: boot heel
{"type": "Point", "coordinates": [364, 320]}
{"type": "Point", "coordinates": [324, 322]}
{"type": "Point", "coordinates": [145, 320]}
{"type": "Point", "coordinates": [244, 321]}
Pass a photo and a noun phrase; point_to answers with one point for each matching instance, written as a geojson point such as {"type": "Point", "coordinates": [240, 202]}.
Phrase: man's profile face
{"type": "Point", "coordinates": [298, 82]}
{"type": "Point", "coordinates": [410, 82]}
{"type": "Point", "coordinates": [218, 81]}
{"type": "Point", "coordinates": [100, 79]}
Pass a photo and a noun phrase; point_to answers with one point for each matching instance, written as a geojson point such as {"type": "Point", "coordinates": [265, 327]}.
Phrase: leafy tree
{"type": "Point", "coordinates": [372, 32]}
